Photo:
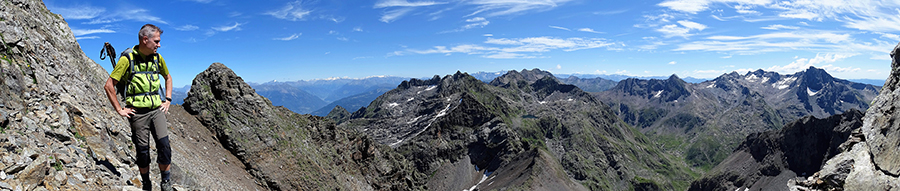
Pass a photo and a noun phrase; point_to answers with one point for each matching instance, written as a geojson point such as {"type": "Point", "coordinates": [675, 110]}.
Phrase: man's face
{"type": "Point", "coordinates": [152, 43]}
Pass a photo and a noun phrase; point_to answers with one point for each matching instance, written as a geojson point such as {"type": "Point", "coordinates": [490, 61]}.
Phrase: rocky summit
{"type": "Point", "coordinates": [524, 130]}
{"type": "Point", "coordinates": [289, 151]}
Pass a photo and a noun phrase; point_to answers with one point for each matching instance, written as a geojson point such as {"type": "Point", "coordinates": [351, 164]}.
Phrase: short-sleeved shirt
{"type": "Point", "coordinates": [141, 63]}
{"type": "Point", "coordinates": [122, 65]}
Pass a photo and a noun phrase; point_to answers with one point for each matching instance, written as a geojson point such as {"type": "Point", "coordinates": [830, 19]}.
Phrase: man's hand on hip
{"type": "Point", "coordinates": [126, 112]}
{"type": "Point", "coordinates": [165, 106]}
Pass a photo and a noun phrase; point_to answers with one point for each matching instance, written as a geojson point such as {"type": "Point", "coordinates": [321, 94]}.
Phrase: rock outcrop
{"type": "Point", "coordinates": [767, 160]}
{"type": "Point", "coordinates": [289, 151]}
{"type": "Point", "coordinates": [871, 159]}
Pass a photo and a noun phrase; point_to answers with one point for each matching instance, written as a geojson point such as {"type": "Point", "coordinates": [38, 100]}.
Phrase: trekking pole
{"type": "Point", "coordinates": [110, 52]}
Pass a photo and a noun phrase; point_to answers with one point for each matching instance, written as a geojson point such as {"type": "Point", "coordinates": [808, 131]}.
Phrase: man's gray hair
{"type": "Point", "coordinates": [149, 30]}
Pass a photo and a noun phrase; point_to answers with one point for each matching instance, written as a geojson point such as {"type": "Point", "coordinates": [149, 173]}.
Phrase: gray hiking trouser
{"type": "Point", "coordinates": [147, 122]}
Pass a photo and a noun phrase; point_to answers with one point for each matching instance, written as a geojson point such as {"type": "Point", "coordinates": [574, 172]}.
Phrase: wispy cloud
{"type": "Point", "coordinates": [673, 63]}
{"type": "Point", "coordinates": [226, 28]}
{"type": "Point", "coordinates": [357, 29]}
{"type": "Point", "coordinates": [399, 8]}
{"type": "Point", "coordinates": [404, 3]}
{"type": "Point", "coordinates": [804, 63]}
{"type": "Point", "coordinates": [506, 7]}
{"type": "Point", "coordinates": [187, 28]}
{"type": "Point", "coordinates": [82, 32]}
{"type": "Point", "coordinates": [391, 15]}
{"type": "Point", "coordinates": [293, 11]}
{"type": "Point", "coordinates": [479, 22]}
{"type": "Point", "coordinates": [292, 37]}
{"type": "Point", "coordinates": [779, 41]}
{"type": "Point", "coordinates": [200, 1]}
{"type": "Point", "coordinates": [86, 37]}
{"type": "Point", "coordinates": [78, 12]}
{"type": "Point", "coordinates": [684, 30]}
{"type": "Point", "coordinates": [589, 30]}
{"type": "Point", "coordinates": [140, 15]}
{"type": "Point", "coordinates": [779, 27]}
{"type": "Point", "coordinates": [531, 47]}
{"type": "Point", "coordinates": [560, 28]}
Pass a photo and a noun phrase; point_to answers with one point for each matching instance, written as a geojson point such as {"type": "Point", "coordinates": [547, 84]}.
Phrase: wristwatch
{"type": "Point", "coordinates": [168, 99]}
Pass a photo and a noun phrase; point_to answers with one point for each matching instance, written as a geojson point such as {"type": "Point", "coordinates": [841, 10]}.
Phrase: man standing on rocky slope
{"type": "Point", "coordinates": [145, 110]}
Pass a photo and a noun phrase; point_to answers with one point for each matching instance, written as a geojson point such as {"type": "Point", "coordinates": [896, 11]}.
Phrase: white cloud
{"type": "Point", "coordinates": [684, 30]}
{"type": "Point", "coordinates": [293, 11]}
{"type": "Point", "coordinates": [589, 30]}
{"type": "Point", "coordinates": [692, 25]}
{"type": "Point", "coordinates": [672, 63]}
{"type": "Point", "coordinates": [560, 28]}
{"type": "Point", "coordinates": [511, 7]}
{"type": "Point", "coordinates": [292, 37]}
{"type": "Point", "coordinates": [227, 28]}
{"type": "Point", "coordinates": [201, 1]}
{"type": "Point", "coordinates": [357, 29]}
{"type": "Point", "coordinates": [79, 12]}
{"type": "Point", "coordinates": [404, 3]}
{"type": "Point", "coordinates": [558, 66]}
{"type": "Point", "coordinates": [82, 32]}
{"type": "Point", "coordinates": [779, 27]}
{"type": "Point", "coordinates": [473, 23]}
{"type": "Point", "coordinates": [187, 28]}
{"type": "Point", "coordinates": [86, 37]}
{"type": "Point", "coordinates": [395, 14]}
{"type": "Point", "coordinates": [343, 39]}
{"type": "Point", "coordinates": [402, 8]}
{"type": "Point", "coordinates": [519, 47]}
{"type": "Point", "coordinates": [488, 35]}
{"type": "Point", "coordinates": [804, 63]}
{"type": "Point", "coordinates": [893, 37]}
{"type": "Point", "coordinates": [140, 15]}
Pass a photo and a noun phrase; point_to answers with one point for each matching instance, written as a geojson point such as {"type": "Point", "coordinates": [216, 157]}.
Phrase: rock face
{"type": "Point", "coordinates": [58, 130]}
{"type": "Point", "coordinates": [688, 115]}
{"type": "Point", "coordinates": [767, 160]}
{"type": "Point", "coordinates": [869, 160]}
{"type": "Point", "coordinates": [524, 130]}
{"type": "Point", "coordinates": [288, 151]}
{"type": "Point", "coordinates": [882, 130]}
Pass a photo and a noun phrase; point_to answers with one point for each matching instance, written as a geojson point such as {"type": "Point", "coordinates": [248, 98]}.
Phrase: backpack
{"type": "Point", "coordinates": [123, 84]}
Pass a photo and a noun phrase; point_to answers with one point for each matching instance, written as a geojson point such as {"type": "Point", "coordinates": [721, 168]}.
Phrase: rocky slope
{"type": "Point", "coordinates": [869, 161]}
{"type": "Point", "coordinates": [767, 160]}
{"type": "Point", "coordinates": [289, 151]}
{"type": "Point", "coordinates": [58, 130]}
{"type": "Point", "coordinates": [523, 131]}
{"type": "Point", "coordinates": [685, 116]}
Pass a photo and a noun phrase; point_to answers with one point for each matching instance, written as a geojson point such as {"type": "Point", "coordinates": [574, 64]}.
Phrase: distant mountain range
{"type": "Point", "coordinates": [705, 121]}
{"type": "Point", "coordinates": [319, 97]}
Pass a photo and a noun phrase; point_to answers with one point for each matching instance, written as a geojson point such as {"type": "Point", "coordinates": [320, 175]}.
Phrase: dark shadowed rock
{"type": "Point", "coordinates": [767, 160]}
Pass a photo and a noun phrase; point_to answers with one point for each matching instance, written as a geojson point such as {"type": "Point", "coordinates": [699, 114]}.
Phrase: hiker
{"type": "Point", "coordinates": [146, 111]}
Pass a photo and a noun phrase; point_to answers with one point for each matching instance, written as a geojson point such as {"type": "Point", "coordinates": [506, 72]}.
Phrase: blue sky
{"type": "Point", "coordinates": [316, 39]}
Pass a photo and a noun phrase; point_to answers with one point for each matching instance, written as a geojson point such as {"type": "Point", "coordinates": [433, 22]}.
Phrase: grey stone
{"type": "Point", "coordinates": [881, 128]}
{"type": "Point", "coordinates": [4, 185]}
{"type": "Point", "coordinates": [2, 175]}
{"type": "Point", "coordinates": [79, 177]}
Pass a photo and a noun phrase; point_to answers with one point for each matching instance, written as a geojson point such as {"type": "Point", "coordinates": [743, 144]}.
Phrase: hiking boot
{"type": "Point", "coordinates": [146, 185]}
{"type": "Point", "coordinates": [165, 185]}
